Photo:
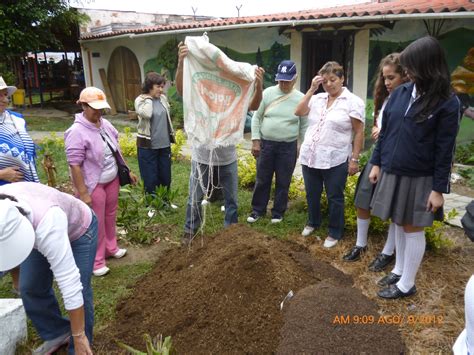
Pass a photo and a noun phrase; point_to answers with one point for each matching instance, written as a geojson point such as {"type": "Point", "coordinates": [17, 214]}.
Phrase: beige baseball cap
{"type": "Point", "coordinates": [94, 97]}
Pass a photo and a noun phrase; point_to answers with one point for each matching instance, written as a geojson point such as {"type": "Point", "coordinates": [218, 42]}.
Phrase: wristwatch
{"type": "Point", "coordinates": [355, 160]}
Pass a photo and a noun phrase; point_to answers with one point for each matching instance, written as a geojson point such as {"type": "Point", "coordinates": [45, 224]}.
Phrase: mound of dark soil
{"type": "Point", "coordinates": [224, 296]}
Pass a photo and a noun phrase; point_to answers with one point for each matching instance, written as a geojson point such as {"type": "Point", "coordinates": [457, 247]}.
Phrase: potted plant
{"type": "Point", "coordinates": [132, 115]}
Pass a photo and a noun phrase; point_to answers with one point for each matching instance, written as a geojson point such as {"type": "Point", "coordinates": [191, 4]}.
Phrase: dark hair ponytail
{"type": "Point", "coordinates": [425, 62]}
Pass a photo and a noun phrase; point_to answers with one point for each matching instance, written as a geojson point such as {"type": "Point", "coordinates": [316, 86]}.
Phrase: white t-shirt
{"type": "Point", "coordinates": [110, 168]}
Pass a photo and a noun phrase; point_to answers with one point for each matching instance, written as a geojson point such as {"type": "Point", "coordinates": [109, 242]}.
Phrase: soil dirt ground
{"type": "Point", "coordinates": [223, 295]}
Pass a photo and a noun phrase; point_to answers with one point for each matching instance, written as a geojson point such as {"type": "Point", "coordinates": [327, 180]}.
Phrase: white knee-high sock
{"type": "Point", "coordinates": [362, 231]}
{"type": "Point", "coordinates": [414, 251]}
{"type": "Point", "coordinates": [400, 250]}
{"type": "Point", "coordinates": [469, 310]}
{"type": "Point", "coordinates": [389, 246]}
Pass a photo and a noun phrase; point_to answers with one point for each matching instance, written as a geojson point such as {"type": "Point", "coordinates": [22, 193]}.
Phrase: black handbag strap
{"type": "Point", "coordinates": [114, 151]}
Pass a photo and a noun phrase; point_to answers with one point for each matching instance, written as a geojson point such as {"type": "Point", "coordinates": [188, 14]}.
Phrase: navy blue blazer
{"type": "Point", "coordinates": [409, 148]}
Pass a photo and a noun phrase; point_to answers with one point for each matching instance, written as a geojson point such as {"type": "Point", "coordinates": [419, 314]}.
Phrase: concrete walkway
{"type": "Point", "coordinates": [452, 200]}
{"type": "Point", "coordinates": [457, 202]}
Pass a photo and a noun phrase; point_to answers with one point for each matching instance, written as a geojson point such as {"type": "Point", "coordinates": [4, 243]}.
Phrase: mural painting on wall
{"type": "Point", "coordinates": [166, 61]}
{"type": "Point", "coordinates": [456, 38]}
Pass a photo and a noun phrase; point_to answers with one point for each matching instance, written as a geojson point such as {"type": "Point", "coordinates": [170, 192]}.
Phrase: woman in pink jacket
{"type": "Point", "coordinates": [91, 150]}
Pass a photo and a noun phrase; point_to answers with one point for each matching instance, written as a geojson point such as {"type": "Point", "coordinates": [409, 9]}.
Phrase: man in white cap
{"type": "Point", "coordinates": [52, 235]}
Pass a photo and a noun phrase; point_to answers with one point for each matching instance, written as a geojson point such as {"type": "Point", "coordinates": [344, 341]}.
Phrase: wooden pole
{"type": "Point", "coordinates": [108, 93]}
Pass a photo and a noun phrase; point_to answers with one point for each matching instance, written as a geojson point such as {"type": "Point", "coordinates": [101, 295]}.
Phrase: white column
{"type": "Point", "coordinates": [361, 63]}
{"type": "Point", "coordinates": [296, 49]}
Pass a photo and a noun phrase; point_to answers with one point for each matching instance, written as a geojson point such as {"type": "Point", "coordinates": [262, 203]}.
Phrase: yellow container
{"type": "Point", "coordinates": [19, 97]}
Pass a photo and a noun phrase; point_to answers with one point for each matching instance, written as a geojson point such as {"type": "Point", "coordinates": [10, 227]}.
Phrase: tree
{"type": "Point", "coordinates": [168, 57]}
{"type": "Point", "coordinates": [34, 25]}
{"type": "Point", "coordinates": [277, 54]}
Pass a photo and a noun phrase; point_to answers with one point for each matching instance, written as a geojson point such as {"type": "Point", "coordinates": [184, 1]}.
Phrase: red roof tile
{"type": "Point", "coordinates": [360, 12]}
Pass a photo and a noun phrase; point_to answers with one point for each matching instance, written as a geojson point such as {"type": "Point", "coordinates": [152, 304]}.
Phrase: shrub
{"type": "Point", "coordinates": [468, 174]}
{"type": "Point", "coordinates": [180, 141]}
{"type": "Point", "coordinates": [435, 239]}
{"type": "Point", "coordinates": [176, 111]}
{"type": "Point", "coordinates": [127, 142]}
{"type": "Point", "coordinates": [132, 214]}
{"type": "Point", "coordinates": [296, 189]}
{"type": "Point", "coordinates": [246, 168]}
{"type": "Point", "coordinates": [465, 154]}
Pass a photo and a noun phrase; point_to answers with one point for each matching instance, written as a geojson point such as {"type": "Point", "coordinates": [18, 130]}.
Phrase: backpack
{"type": "Point", "coordinates": [467, 221]}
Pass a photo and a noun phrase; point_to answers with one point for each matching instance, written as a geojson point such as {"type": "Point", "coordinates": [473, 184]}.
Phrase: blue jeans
{"type": "Point", "coordinates": [155, 168]}
{"type": "Point", "coordinates": [227, 180]}
{"type": "Point", "coordinates": [36, 281]}
{"type": "Point", "coordinates": [277, 158]}
{"type": "Point", "coordinates": [334, 181]}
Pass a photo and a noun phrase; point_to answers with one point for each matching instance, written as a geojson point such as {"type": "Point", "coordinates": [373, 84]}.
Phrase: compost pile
{"type": "Point", "coordinates": [224, 293]}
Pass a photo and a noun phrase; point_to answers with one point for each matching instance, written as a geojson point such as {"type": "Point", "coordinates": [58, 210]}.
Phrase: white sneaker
{"type": "Point", "coordinates": [151, 212]}
{"type": "Point", "coordinates": [104, 270]}
{"type": "Point", "coordinates": [50, 346]}
{"type": "Point", "coordinates": [222, 208]}
{"type": "Point", "coordinates": [330, 243]}
{"type": "Point", "coordinates": [173, 206]}
{"type": "Point", "coordinates": [276, 220]}
{"type": "Point", "coordinates": [120, 253]}
{"type": "Point", "coordinates": [307, 231]}
{"type": "Point", "coordinates": [253, 217]}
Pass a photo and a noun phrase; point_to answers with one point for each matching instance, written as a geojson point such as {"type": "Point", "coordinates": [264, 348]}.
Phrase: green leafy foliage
{"type": "Point", "coordinates": [155, 346]}
{"type": "Point", "coordinates": [128, 144]}
{"type": "Point", "coordinates": [468, 174]}
{"type": "Point", "coordinates": [33, 25]}
{"type": "Point", "coordinates": [435, 238]}
{"type": "Point", "coordinates": [246, 168]}
{"type": "Point", "coordinates": [176, 110]}
{"type": "Point", "coordinates": [465, 154]}
{"type": "Point", "coordinates": [7, 74]}
{"type": "Point", "coordinates": [180, 141]}
{"type": "Point", "coordinates": [134, 205]}
{"type": "Point", "coordinates": [168, 57]}
{"type": "Point", "coordinates": [296, 189]}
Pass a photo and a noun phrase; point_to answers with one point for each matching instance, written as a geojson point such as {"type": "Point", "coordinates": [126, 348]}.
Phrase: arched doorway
{"type": "Point", "coordinates": [123, 76]}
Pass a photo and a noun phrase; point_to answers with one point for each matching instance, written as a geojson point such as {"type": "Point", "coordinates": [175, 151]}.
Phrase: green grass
{"type": "Point", "coordinates": [48, 124]}
{"type": "Point", "coordinates": [60, 124]}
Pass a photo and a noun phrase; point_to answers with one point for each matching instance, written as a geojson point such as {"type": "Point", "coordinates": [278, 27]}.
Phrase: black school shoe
{"type": "Point", "coordinates": [381, 262]}
{"type": "Point", "coordinates": [392, 292]}
{"type": "Point", "coordinates": [354, 254]}
{"type": "Point", "coordinates": [388, 280]}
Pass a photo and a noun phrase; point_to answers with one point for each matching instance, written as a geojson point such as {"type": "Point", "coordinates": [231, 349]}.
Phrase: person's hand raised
{"type": "Point", "coordinates": [317, 80]}
{"type": "Point", "coordinates": [182, 51]}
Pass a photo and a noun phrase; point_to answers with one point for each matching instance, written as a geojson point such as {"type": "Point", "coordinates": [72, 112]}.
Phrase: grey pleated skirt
{"type": "Point", "coordinates": [403, 200]}
{"type": "Point", "coordinates": [364, 189]}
